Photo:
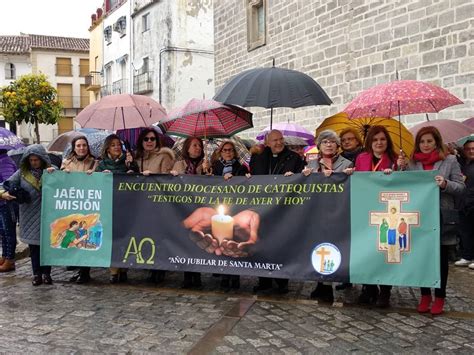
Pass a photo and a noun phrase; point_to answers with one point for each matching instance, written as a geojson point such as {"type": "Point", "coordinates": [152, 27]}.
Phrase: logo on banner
{"type": "Point", "coordinates": [326, 258]}
{"type": "Point", "coordinates": [394, 226]}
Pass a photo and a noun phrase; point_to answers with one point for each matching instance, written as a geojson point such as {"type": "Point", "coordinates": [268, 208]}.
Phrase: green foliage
{"type": "Point", "coordinates": [32, 99]}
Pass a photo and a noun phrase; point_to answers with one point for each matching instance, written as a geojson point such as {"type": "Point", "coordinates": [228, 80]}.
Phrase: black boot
{"type": "Point", "coordinates": [225, 282]}
{"type": "Point", "coordinates": [383, 300]}
{"type": "Point", "coordinates": [264, 284]}
{"type": "Point", "coordinates": [84, 275]}
{"type": "Point", "coordinates": [235, 282]}
{"type": "Point", "coordinates": [188, 280]}
{"type": "Point", "coordinates": [369, 294]}
{"type": "Point", "coordinates": [197, 280]}
{"type": "Point", "coordinates": [323, 293]}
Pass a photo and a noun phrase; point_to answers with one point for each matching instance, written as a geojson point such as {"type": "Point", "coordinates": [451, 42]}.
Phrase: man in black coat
{"type": "Point", "coordinates": [275, 159]}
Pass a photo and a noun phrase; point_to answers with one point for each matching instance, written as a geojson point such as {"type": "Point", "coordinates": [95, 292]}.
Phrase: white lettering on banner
{"type": "Point", "coordinates": [73, 199]}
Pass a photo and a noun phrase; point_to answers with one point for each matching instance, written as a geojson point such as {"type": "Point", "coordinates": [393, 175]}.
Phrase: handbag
{"type": "Point", "coordinates": [22, 196]}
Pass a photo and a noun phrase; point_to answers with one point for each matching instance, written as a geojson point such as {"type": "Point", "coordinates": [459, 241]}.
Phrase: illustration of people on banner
{"type": "Point", "coordinates": [77, 231]}
{"type": "Point", "coordinates": [393, 226]}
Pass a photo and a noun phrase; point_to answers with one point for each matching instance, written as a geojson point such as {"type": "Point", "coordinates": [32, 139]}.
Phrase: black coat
{"type": "Point", "coordinates": [237, 168]}
{"type": "Point", "coordinates": [287, 161]}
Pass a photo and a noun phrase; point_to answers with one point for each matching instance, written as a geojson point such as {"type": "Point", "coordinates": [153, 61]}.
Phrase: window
{"type": "Point", "coordinates": [256, 23]}
{"type": "Point", "coordinates": [146, 22]}
{"type": "Point", "coordinates": [145, 65]}
{"type": "Point", "coordinates": [121, 26]}
{"type": "Point", "coordinates": [83, 67]}
{"type": "Point", "coordinates": [10, 71]}
{"type": "Point", "coordinates": [65, 95]}
{"type": "Point", "coordinates": [108, 34]}
{"type": "Point", "coordinates": [63, 67]}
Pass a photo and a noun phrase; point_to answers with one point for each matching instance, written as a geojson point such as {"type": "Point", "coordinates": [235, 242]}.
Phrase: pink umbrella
{"type": "Point", "coordinates": [401, 97]}
{"type": "Point", "coordinates": [469, 122]}
{"type": "Point", "coordinates": [207, 119]}
{"type": "Point", "coordinates": [123, 111]}
{"type": "Point", "coordinates": [451, 131]}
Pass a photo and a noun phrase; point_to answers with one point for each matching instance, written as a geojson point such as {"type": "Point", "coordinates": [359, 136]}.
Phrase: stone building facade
{"type": "Point", "coordinates": [348, 46]}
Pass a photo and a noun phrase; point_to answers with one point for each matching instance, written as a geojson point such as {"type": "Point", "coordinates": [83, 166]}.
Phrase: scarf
{"type": "Point", "coordinates": [428, 160]}
{"type": "Point", "coordinates": [37, 173]}
{"type": "Point", "coordinates": [227, 166]}
{"type": "Point", "coordinates": [191, 166]}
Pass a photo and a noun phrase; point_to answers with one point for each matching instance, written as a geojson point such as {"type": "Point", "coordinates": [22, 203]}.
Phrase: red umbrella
{"type": "Point", "coordinates": [451, 131]}
{"type": "Point", "coordinates": [123, 111]}
{"type": "Point", "coordinates": [207, 119]}
{"type": "Point", "coordinates": [401, 97]}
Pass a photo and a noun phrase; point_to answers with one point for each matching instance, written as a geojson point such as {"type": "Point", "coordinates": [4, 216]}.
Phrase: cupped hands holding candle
{"type": "Point", "coordinates": [230, 236]}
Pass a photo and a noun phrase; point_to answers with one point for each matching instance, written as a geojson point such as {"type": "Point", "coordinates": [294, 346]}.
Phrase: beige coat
{"type": "Point", "coordinates": [180, 167]}
{"type": "Point", "coordinates": [73, 164]}
{"type": "Point", "coordinates": [157, 162]}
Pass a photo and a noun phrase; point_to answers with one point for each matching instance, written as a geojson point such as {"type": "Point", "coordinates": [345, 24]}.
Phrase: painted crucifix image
{"type": "Point", "coordinates": [393, 226]}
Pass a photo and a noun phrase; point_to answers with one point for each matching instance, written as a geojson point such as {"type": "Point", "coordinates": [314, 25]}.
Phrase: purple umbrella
{"type": "Point", "coordinates": [289, 130]}
{"type": "Point", "coordinates": [469, 122]}
{"type": "Point", "coordinates": [8, 140]}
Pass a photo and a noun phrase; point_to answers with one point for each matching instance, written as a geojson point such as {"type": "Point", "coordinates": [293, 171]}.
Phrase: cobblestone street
{"type": "Point", "coordinates": [140, 317]}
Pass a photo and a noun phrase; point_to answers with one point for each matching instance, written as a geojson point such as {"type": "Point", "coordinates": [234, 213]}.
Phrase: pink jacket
{"type": "Point", "coordinates": [364, 163]}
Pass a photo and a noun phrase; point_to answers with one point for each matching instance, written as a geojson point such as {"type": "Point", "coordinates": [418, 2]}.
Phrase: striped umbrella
{"type": "Point", "coordinates": [207, 119]}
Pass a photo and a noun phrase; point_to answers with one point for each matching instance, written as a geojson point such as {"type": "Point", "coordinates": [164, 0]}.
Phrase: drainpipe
{"type": "Point", "coordinates": [175, 49]}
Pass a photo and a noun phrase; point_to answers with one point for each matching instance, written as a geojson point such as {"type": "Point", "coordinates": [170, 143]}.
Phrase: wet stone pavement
{"type": "Point", "coordinates": [139, 317]}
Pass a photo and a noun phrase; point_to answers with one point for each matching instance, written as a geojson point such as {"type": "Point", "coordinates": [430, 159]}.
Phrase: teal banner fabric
{"type": "Point", "coordinates": [395, 230]}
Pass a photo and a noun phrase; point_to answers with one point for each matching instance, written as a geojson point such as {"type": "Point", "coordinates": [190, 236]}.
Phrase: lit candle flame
{"type": "Point", "coordinates": [221, 210]}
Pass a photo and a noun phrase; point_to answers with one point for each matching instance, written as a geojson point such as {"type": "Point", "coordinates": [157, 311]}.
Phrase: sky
{"type": "Point", "coordinates": [65, 18]}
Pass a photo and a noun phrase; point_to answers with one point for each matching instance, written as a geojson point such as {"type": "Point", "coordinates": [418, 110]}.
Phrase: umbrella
{"type": "Point", "coordinates": [272, 87]}
{"type": "Point", "coordinates": [296, 141]}
{"type": "Point", "coordinates": [207, 119]}
{"type": "Point", "coordinates": [464, 140]}
{"type": "Point", "coordinates": [96, 141]}
{"type": "Point", "coordinates": [213, 144]}
{"type": "Point", "coordinates": [401, 97]}
{"type": "Point", "coordinates": [289, 130]}
{"type": "Point", "coordinates": [8, 140]}
{"type": "Point", "coordinates": [451, 131]}
{"type": "Point", "coordinates": [131, 136]}
{"type": "Point", "coordinates": [401, 136]}
{"type": "Point", "coordinates": [469, 122]}
{"type": "Point", "coordinates": [16, 154]}
{"type": "Point", "coordinates": [115, 112]}
{"type": "Point", "coordinates": [62, 141]}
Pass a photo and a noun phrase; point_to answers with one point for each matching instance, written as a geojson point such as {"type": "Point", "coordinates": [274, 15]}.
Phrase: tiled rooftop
{"type": "Point", "coordinates": [24, 43]}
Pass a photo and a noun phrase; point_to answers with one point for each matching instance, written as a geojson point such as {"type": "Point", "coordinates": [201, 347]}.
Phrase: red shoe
{"type": "Point", "coordinates": [425, 304]}
{"type": "Point", "coordinates": [437, 307]}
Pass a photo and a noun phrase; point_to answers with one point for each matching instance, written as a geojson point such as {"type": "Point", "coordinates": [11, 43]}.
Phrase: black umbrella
{"type": "Point", "coordinates": [56, 158]}
{"type": "Point", "coordinates": [272, 87]}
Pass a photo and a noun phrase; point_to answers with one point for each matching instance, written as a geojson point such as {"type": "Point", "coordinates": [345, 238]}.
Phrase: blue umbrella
{"type": "Point", "coordinates": [8, 140]}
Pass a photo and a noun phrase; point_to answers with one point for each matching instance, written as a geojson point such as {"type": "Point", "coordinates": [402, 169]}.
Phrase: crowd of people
{"type": "Point", "coordinates": [345, 152]}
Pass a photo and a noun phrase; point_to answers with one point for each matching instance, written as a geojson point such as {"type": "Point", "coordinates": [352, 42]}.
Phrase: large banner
{"type": "Point", "coordinates": [367, 228]}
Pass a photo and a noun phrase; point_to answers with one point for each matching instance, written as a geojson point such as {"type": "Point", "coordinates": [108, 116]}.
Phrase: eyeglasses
{"type": "Point", "coordinates": [227, 150]}
{"type": "Point", "coordinates": [149, 139]}
{"type": "Point", "coordinates": [326, 142]}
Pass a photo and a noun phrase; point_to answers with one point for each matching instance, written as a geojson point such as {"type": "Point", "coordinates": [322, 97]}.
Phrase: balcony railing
{"type": "Point", "coordinates": [120, 86]}
{"type": "Point", "coordinates": [76, 102]}
{"type": "Point", "coordinates": [105, 90]}
{"type": "Point", "coordinates": [143, 83]}
{"type": "Point", "coordinates": [93, 81]}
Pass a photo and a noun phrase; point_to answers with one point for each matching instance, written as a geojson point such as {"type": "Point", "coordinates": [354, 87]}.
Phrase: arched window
{"type": "Point", "coordinates": [10, 72]}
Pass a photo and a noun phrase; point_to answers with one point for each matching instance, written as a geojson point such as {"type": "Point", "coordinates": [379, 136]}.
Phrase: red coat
{"type": "Point", "coordinates": [364, 163]}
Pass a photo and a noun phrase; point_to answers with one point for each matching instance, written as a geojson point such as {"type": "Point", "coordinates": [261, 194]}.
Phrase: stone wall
{"type": "Point", "coordinates": [350, 45]}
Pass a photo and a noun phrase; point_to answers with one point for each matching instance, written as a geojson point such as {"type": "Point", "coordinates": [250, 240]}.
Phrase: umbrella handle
{"type": "Point", "coordinates": [208, 169]}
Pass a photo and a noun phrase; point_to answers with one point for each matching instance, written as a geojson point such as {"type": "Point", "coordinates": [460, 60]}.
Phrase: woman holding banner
{"type": "Point", "coordinates": [226, 164]}
{"type": "Point", "coordinates": [152, 158]}
{"type": "Point", "coordinates": [379, 155]}
{"type": "Point", "coordinates": [328, 162]}
{"type": "Point", "coordinates": [431, 154]}
{"type": "Point", "coordinates": [24, 186]}
{"type": "Point", "coordinates": [115, 159]}
{"type": "Point", "coordinates": [80, 160]}
{"type": "Point", "coordinates": [192, 164]}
